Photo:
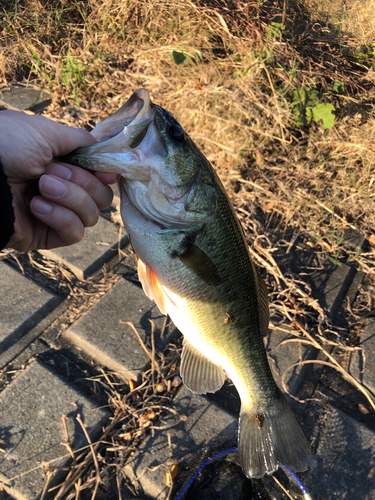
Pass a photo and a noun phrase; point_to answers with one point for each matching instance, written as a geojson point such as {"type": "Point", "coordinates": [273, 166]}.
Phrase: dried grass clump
{"type": "Point", "coordinates": [355, 19]}
{"type": "Point", "coordinates": [323, 186]}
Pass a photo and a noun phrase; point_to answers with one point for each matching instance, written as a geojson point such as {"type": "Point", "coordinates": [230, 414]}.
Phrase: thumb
{"type": "Point", "coordinates": [62, 139]}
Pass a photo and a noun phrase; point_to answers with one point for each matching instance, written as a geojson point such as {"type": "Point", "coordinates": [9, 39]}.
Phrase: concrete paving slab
{"type": "Point", "coordinates": [23, 305]}
{"type": "Point", "coordinates": [205, 420]}
{"type": "Point", "coordinates": [104, 336]}
{"type": "Point", "coordinates": [31, 430]}
{"type": "Point", "coordinates": [345, 461]}
{"type": "Point", "coordinates": [343, 282]}
{"type": "Point", "coordinates": [330, 284]}
{"type": "Point", "coordinates": [284, 350]}
{"type": "Point", "coordinates": [362, 363]}
{"type": "Point", "coordinates": [99, 245]}
{"type": "Point", "coordinates": [196, 423]}
{"type": "Point", "coordinates": [354, 239]}
{"type": "Point", "coordinates": [25, 97]}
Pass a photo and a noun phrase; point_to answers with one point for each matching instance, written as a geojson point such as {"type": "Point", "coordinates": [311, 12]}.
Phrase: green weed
{"type": "Point", "coordinates": [72, 74]}
{"type": "Point", "coordinates": [307, 108]}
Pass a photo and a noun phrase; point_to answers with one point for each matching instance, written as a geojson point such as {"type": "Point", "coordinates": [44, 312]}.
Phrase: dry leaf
{"type": "Point", "coordinates": [147, 416]}
{"type": "Point", "coordinates": [267, 207]}
{"type": "Point", "coordinates": [132, 385]}
{"type": "Point", "coordinates": [176, 381]}
{"type": "Point", "coordinates": [310, 244]}
{"type": "Point", "coordinates": [171, 474]}
{"type": "Point", "coordinates": [161, 387]}
{"type": "Point", "coordinates": [327, 246]}
{"type": "Point", "coordinates": [363, 409]}
{"type": "Point", "coordinates": [298, 324]}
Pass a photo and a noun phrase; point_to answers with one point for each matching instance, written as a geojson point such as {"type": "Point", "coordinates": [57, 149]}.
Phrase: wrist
{"type": "Point", "coordinates": [7, 217]}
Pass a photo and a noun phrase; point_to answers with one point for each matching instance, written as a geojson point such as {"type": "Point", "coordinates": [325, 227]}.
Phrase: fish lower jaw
{"type": "Point", "coordinates": [157, 209]}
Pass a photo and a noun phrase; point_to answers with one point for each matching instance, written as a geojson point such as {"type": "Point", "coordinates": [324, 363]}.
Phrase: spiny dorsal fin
{"type": "Point", "coordinates": [264, 311]}
{"type": "Point", "coordinates": [151, 285]}
{"type": "Point", "coordinates": [199, 374]}
{"type": "Point", "coordinates": [200, 264]}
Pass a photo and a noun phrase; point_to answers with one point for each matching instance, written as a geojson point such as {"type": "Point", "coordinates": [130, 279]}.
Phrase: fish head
{"type": "Point", "coordinates": [161, 170]}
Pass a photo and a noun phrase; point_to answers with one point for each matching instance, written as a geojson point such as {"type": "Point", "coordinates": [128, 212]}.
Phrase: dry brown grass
{"type": "Point", "coordinates": [354, 19]}
{"type": "Point", "coordinates": [234, 99]}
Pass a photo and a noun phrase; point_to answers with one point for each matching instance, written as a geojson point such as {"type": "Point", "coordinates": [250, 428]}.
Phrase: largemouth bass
{"type": "Point", "coordinates": [193, 260]}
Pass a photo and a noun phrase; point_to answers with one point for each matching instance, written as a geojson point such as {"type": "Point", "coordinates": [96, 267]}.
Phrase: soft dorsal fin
{"type": "Point", "coordinates": [151, 285]}
{"type": "Point", "coordinates": [264, 311]}
{"type": "Point", "coordinates": [199, 374]}
{"type": "Point", "coordinates": [200, 264]}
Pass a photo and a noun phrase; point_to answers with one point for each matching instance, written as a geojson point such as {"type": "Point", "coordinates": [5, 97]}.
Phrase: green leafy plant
{"type": "Point", "coordinates": [186, 57]}
{"type": "Point", "coordinates": [274, 30]}
{"type": "Point", "coordinates": [307, 108]}
{"type": "Point", "coordinates": [324, 112]}
{"type": "Point", "coordinates": [338, 87]}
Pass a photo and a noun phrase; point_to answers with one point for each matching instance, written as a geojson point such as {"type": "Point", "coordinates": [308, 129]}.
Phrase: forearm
{"type": "Point", "coordinates": [7, 218]}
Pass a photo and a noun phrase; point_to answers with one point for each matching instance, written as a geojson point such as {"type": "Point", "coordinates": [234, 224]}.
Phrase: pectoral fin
{"type": "Point", "coordinates": [200, 264]}
{"type": "Point", "coordinates": [151, 285]}
{"type": "Point", "coordinates": [199, 374]}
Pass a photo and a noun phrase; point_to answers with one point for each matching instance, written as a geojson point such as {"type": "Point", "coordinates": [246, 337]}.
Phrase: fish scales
{"type": "Point", "coordinates": [193, 260]}
{"type": "Point", "coordinates": [207, 306]}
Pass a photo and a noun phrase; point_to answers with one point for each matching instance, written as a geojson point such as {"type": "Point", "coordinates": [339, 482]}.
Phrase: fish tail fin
{"type": "Point", "coordinates": [271, 437]}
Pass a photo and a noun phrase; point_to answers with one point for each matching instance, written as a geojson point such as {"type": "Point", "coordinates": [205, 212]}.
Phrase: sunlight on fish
{"type": "Point", "coordinates": [193, 260]}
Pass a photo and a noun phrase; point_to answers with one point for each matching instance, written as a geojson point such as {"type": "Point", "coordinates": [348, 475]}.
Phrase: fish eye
{"type": "Point", "coordinates": [176, 133]}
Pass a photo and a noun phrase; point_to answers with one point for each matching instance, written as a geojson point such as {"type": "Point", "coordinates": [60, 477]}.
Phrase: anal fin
{"type": "Point", "coordinates": [199, 374]}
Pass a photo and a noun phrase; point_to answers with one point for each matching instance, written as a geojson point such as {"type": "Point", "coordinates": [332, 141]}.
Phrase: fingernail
{"type": "Point", "coordinates": [61, 171]}
{"type": "Point", "coordinates": [41, 206]}
{"type": "Point", "coordinates": [52, 186]}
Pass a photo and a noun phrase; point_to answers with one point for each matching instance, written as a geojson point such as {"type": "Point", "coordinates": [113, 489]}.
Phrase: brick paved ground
{"type": "Point", "coordinates": [55, 334]}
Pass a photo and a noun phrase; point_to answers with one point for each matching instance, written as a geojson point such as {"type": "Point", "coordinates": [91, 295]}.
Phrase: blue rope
{"type": "Point", "coordinates": [187, 486]}
{"type": "Point", "coordinates": [303, 489]}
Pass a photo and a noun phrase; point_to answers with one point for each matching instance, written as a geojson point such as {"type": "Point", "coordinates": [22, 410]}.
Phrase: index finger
{"type": "Point", "coordinates": [99, 192]}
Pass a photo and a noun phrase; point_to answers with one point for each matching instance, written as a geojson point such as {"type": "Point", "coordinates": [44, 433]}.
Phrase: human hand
{"type": "Point", "coordinates": [53, 202]}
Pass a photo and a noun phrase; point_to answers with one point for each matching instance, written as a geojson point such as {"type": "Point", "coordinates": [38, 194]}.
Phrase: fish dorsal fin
{"type": "Point", "coordinates": [151, 285]}
{"type": "Point", "coordinates": [199, 374]}
{"type": "Point", "coordinates": [264, 311]}
{"type": "Point", "coordinates": [200, 264]}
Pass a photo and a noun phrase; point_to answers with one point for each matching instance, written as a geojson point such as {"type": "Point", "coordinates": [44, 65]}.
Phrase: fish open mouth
{"type": "Point", "coordinates": [118, 137]}
{"type": "Point", "coordinates": [138, 111]}
{"type": "Point", "coordinates": [155, 160]}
